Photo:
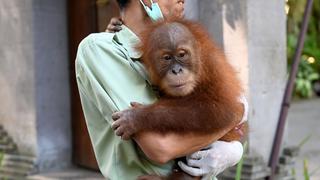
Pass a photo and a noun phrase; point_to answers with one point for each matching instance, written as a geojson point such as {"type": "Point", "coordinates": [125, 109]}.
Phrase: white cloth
{"type": "Point", "coordinates": [210, 162]}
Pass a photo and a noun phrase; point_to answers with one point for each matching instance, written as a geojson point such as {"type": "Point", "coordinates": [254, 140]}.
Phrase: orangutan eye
{"type": "Point", "coordinates": [182, 54]}
{"type": "Point", "coordinates": [167, 57]}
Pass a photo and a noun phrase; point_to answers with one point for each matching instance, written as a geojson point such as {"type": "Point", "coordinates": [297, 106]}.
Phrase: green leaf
{"type": "Point", "coordinates": [1, 157]}
{"type": "Point", "coordinates": [307, 71]}
{"type": "Point", "coordinates": [304, 92]}
{"type": "Point", "coordinates": [299, 84]}
{"type": "Point", "coordinates": [304, 141]}
{"type": "Point", "coordinates": [293, 172]}
{"type": "Point", "coordinates": [308, 85]}
{"type": "Point", "coordinates": [305, 170]}
{"type": "Point", "coordinates": [313, 77]}
{"type": "Point", "coordinates": [240, 164]}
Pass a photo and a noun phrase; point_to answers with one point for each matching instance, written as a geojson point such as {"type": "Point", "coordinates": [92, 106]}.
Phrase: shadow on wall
{"type": "Point", "coordinates": [215, 14]}
{"type": "Point", "coordinates": [232, 12]}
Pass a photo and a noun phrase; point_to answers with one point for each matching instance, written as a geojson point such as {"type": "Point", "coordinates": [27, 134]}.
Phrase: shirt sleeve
{"type": "Point", "coordinates": [108, 83]}
{"type": "Point", "coordinates": [90, 75]}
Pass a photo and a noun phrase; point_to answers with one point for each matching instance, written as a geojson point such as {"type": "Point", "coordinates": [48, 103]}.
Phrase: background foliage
{"type": "Point", "coordinates": [309, 69]}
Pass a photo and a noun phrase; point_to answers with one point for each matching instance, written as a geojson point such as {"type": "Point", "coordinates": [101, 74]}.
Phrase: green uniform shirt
{"type": "Point", "coordinates": [108, 80]}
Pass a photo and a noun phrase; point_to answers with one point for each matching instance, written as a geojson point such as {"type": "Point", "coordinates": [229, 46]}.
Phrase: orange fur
{"type": "Point", "coordinates": [212, 106]}
{"type": "Point", "coordinates": [217, 91]}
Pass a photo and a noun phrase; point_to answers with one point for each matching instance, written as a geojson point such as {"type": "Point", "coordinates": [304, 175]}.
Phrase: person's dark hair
{"type": "Point", "coordinates": [123, 3]}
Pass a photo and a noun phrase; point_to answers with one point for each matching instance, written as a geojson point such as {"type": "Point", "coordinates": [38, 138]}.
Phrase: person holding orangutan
{"type": "Point", "coordinates": [110, 77]}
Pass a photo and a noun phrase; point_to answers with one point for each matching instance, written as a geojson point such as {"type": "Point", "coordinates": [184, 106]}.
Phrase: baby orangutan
{"type": "Point", "coordinates": [200, 90]}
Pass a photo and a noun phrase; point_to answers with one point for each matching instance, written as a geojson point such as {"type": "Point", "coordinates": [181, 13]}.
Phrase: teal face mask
{"type": "Point", "coordinates": [154, 12]}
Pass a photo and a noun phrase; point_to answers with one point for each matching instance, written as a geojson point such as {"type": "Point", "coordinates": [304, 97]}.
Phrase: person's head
{"type": "Point", "coordinates": [169, 8]}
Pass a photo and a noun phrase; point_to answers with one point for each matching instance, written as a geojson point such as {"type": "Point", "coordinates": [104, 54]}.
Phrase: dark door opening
{"type": "Point", "coordinates": [85, 17]}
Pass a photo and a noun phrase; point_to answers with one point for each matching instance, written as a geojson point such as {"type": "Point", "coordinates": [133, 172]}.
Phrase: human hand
{"type": "Point", "coordinates": [114, 25]}
{"type": "Point", "coordinates": [213, 160]}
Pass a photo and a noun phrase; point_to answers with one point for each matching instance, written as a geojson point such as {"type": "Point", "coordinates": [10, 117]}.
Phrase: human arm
{"type": "Point", "coordinates": [172, 146]}
{"type": "Point", "coordinates": [163, 148]}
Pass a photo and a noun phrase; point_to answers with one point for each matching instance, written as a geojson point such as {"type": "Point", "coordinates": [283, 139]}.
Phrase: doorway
{"type": "Point", "coordinates": [85, 17]}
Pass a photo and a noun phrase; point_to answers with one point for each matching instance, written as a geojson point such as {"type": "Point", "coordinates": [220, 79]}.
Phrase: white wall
{"type": "Point", "coordinates": [34, 79]}
{"type": "Point", "coordinates": [253, 35]}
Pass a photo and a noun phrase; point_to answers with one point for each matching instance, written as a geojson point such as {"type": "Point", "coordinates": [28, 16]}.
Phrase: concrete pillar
{"type": "Point", "coordinates": [267, 70]}
{"type": "Point", "coordinates": [192, 9]}
{"type": "Point", "coordinates": [51, 58]}
{"type": "Point", "coordinates": [34, 79]}
{"type": "Point", "coordinates": [17, 78]}
{"type": "Point", "coordinates": [253, 35]}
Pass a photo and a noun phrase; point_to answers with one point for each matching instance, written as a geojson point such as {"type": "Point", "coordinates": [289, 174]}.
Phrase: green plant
{"type": "Point", "coordinates": [1, 158]}
{"type": "Point", "coordinates": [300, 145]}
{"type": "Point", "coordinates": [309, 70]}
{"type": "Point", "coordinates": [304, 141]}
{"type": "Point", "coordinates": [1, 161]}
{"type": "Point", "coordinates": [307, 175]}
{"type": "Point", "coordinates": [293, 172]}
{"type": "Point", "coordinates": [306, 170]}
{"type": "Point", "coordinates": [240, 164]}
{"type": "Point", "coordinates": [305, 77]}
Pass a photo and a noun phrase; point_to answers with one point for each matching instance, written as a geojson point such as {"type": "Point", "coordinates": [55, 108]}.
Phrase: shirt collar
{"type": "Point", "coordinates": [129, 40]}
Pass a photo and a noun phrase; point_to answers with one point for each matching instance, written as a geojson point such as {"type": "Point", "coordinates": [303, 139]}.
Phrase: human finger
{"type": "Point", "coordinates": [190, 170]}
